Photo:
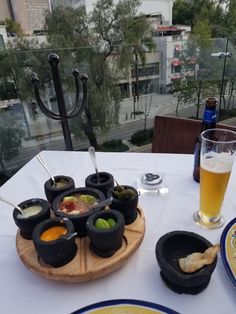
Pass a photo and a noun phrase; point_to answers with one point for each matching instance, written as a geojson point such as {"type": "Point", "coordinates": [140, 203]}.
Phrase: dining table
{"type": "Point", "coordinates": [23, 291]}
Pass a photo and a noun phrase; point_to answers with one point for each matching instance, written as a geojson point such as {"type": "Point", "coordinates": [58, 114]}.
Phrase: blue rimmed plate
{"type": "Point", "coordinates": [228, 249]}
{"type": "Point", "coordinates": [126, 306]}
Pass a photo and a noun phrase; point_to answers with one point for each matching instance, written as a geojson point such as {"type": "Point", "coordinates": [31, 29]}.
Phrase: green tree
{"type": "Point", "coordinates": [202, 32]}
{"type": "Point", "coordinates": [16, 64]}
{"type": "Point", "coordinates": [219, 14]}
{"type": "Point", "coordinates": [180, 92]}
{"type": "Point", "coordinates": [101, 36]}
{"type": "Point", "coordinates": [67, 27]}
{"type": "Point", "coordinates": [22, 57]}
{"type": "Point", "coordinates": [200, 75]}
{"type": "Point", "coordinates": [230, 18]}
{"type": "Point", "coordinates": [10, 140]}
{"type": "Point", "coordinates": [182, 13]}
{"type": "Point", "coordinates": [13, 27]}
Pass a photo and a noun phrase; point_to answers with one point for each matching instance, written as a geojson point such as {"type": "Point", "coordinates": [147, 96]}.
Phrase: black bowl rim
{"type": "Point", "coordinates": [108, 174]}
{"type": "Point", "coordinates": [44, 203]}
{"type": "Point", "coordinates": [90, 222]}
{"type": "Point", "coordinates": [207, 269]}
{"type": "Point", "coordinates": [57, 220]}
{"type": "Point", "coordinates": [68, 178]}
{"type": "Point", "coordinates": [107, 185]}
{"type": "Point", "coordinates": [126, 187]}
{"type": "Point", "coordinates": [58, 199]}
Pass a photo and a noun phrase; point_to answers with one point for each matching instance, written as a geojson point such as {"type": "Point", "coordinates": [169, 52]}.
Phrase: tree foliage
{"type": "Point", "coordinates": [12, 27]}
{"type": "Point", "coordinates": [103, 44]}
{"type": "Point", "coordinates": [201, 77]}
{"type": "Point", "coordinates": [220, 15]}
{"type": "Point", "coordinates": [10, 139]}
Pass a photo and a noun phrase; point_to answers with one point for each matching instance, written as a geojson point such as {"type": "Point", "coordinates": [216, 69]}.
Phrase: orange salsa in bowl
{"type": "Point", "coordinates": [53, 233]}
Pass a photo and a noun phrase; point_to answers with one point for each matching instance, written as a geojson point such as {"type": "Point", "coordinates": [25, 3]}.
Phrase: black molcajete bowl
{"type": "Point", "coordinates": [178, 244]}
{"type": "Point", "coordinates": [105, 242]}
{"type": "Point", "coordinates": [105, 183]}
{"type": "Point", "coordinates": [52, 192]}
{"type": "Point", "coordinates": [78, 220]}
{"type": "Point", "coordinates": [57, 252]}
{"type": "Point", "coordinates": [127, 207]}
{"type": "Point", "coordinates": [27, 225]}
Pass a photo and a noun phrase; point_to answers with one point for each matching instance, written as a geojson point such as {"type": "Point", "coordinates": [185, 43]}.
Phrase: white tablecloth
{"type": "Point", "coordinates": [25, 292]}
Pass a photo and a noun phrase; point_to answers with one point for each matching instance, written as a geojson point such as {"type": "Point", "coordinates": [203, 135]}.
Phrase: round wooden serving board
{"type": "Point", "coordinates": [86, 265]}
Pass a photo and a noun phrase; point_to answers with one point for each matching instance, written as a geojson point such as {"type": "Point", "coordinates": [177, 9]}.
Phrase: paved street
{"type": "Point", "coordinates": [161, 105]}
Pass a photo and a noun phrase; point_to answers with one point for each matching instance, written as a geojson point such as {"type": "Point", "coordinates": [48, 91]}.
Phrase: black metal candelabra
{"type": "Point", "coordinates": [63, 115]}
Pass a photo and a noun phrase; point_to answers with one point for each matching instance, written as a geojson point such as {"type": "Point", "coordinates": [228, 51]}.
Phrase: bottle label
{"type": "Point", "coordinates": [209, 116]}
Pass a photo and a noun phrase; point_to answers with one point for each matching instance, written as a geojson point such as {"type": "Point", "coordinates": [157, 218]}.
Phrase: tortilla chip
{"type": "Point", "coordinates": [195, 261]}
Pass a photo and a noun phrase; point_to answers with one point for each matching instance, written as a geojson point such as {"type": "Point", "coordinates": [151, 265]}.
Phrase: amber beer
{"type": "Point", "coordinates": [214, 180]}
{"type": "Point", "coordinates": [218, 147]}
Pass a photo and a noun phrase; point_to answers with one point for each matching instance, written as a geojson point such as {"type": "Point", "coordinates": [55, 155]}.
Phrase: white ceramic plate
{"type": "Point", "coordinates": [126, 306]}
{"type": "Point", "coordinates": [228, 249]}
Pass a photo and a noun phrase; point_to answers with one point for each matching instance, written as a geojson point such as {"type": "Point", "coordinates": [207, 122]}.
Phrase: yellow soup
{"type": "Point", "coordinates": [53, 233]}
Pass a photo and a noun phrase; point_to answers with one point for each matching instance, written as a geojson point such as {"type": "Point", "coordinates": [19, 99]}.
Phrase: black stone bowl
{"type": "Point", "coordinates": [105, 242]}
{"type": "Point", "coordinates": [106, 182]}
{"type": "Point", "coordinates": [52, 192]}
{"type": "Point", "coordinates": [27, 225]}
{"type": "Point", "coordinates": [127, 207]}
{"type": "Point", "coordinates": [174, 245]}
{"type": "Point", "coordinates": [79, 220]}
{"type": "Point", "coordinates": [56, 252]}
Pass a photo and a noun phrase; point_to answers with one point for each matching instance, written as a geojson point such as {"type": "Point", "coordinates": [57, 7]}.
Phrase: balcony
{"type": "Point", "coordinates": [127, 102]}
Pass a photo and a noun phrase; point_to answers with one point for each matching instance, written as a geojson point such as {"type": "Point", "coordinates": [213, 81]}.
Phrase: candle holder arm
{"type": "Point", "coordinates": [49, 113]}
{"type": "Point", "coordinates": [74, 112]}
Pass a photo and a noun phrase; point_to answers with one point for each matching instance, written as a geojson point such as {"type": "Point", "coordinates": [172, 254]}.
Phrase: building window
{"type": "Point", "coordinates": [7, 91]}
{"type": "Point", "coordinates": [149, 86]}
{"type": "Point", "coordinates": [124, 89]}
{"type": "Point", "coordinates": [150, 69]}
{"type": "Point", "coordinates": [175, 69]}
{"type": "Point", "coordinates": [34, 109]}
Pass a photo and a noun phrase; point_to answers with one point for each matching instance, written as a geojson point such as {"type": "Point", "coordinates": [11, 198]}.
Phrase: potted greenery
{"type": "Point", "coordinates": [125, 200]}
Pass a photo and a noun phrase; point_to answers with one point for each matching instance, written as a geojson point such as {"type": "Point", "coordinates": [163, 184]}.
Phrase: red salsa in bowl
{"type": "Point", "coordinates": [77, 205]}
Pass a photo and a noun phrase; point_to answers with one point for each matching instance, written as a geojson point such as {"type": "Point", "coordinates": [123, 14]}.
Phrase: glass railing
{"type": "Point", "coordinates": [120, 101]}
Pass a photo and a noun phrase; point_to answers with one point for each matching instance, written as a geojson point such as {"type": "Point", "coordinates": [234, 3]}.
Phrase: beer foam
{"type": "Point", "coordinates": [219, 163]}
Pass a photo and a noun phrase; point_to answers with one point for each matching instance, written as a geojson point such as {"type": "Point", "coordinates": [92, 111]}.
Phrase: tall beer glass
{"type": "Point", "coordinates": [217, 155]}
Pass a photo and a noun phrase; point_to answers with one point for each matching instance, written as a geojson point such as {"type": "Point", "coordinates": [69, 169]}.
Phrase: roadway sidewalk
{"type": "Point", "coordinates": [184, 113]}
{"type": "Point", "coordinates": [231, 121]}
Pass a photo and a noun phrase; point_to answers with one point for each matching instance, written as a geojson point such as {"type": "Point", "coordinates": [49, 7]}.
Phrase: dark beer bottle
{"type": "Point", "coordinates": [208, 122]}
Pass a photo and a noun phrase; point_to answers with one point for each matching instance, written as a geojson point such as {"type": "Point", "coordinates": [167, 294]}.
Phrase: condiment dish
{"type": "Point", "coordinates": [178, 244]}
{"type": "Point", "coordinates": [54, 241]}
{"type": "Point", "coordinates": [77, 205]}
{"type": "Point", "coordinates": [102, 181]}
{"type": "Point", "coordinates": [63, 184]}
{"type": "Point", "coordinates": [125, 203]}
{"type": "Point", "coordinates": [105, 230]}
{"type": "Point", "coordinates": [34, 211]}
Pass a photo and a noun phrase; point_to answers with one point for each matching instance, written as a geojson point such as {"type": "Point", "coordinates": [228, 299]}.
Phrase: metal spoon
{"type": "Point", "coordinates": [69, 236]}
{"type": "Point", "coordinates": [10, 203]}
{"type": "Point", "coordinates": [104, 203]}
{"type": "Point", "coordinates": [92, 154]}
{"type": "Point", "coordinates": [43, 163]}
